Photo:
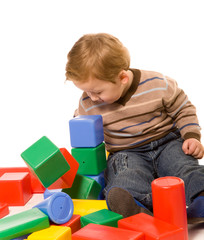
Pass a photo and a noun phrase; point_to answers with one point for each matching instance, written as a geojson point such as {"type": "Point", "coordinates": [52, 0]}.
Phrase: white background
{"type": "Point", "coordinates": [35, 37]}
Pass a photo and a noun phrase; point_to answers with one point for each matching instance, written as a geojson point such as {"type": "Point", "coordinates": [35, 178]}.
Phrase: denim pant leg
{"type": "Point", "coordinates": [172, 161]}
{"type": "Point", "coordinates": [130, 170]}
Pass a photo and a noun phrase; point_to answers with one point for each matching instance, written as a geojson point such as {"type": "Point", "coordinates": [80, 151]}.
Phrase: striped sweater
{"type": "Point", "coordinates": [153, 106]}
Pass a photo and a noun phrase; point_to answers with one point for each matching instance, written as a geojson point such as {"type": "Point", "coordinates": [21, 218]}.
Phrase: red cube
{"type": "Point", "coordinates": [36, 185]}
{"type": "Point", "coordinates": [15, 188]}
{"type": "Point", "coordinates": [67, 179]}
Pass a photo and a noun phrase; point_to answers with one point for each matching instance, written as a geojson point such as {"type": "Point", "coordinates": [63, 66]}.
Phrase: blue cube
{"type": "Point", "coordinates": [86, 131]}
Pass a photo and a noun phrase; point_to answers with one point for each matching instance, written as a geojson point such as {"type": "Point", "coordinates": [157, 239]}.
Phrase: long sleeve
{"type": "Point", "coordinates": [182, 111]}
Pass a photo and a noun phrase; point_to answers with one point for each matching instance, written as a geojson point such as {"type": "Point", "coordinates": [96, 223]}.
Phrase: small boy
{"type": "Point", "coordinates": [150, 127]}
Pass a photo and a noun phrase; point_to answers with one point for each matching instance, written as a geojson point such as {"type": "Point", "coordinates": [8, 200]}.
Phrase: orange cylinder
{"type": "Point", "coordinates": [169, 204]}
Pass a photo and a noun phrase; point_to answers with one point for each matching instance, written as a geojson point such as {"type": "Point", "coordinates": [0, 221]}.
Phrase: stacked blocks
{"type": "Point", "coordinates": [46, 161]}
{"type": "Point", "coordinates": [86, 133]}
{"type": "Point", "coordinates": [15, 188]}
{"type": "Point", "coordinates": [169, 221]}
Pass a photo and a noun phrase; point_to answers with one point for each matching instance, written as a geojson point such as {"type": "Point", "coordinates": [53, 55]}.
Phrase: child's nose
{"type": "Point", "coordinates": [94, 97]}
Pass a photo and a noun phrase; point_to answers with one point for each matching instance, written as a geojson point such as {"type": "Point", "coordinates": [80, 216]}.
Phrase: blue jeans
{"type": "Point", "coordinates": [135, 169]}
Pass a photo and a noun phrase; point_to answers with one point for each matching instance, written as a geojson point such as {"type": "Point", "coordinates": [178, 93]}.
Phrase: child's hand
{"type": "Point", "coordinates": [193, 147]}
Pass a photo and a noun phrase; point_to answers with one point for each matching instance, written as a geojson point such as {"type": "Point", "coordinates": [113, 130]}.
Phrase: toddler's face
{"type": "Point", "coordinates": [101, 91]}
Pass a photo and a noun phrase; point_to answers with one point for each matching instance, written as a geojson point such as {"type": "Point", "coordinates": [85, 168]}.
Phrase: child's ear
{"type": "Point", "coordinates": [123, 76]}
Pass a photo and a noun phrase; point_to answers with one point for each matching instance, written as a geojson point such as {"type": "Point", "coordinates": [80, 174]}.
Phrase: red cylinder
{"type": "Point", "coordinates": [169, 204]}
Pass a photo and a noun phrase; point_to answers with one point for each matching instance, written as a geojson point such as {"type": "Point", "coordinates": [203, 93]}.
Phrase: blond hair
{"type": "Point", "coordinates": [101, 56]}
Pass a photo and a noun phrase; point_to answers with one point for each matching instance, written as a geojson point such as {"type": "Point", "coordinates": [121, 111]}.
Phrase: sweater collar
{"type": "Point", "coordinates": [133, 87]}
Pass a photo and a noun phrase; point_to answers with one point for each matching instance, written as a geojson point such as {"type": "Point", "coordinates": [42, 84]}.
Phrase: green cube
{"type": "Point", "coordinates": [83, 188]}
{"type": "Point", "coordinates": [23, 223]}
{"type": "Point", "coordinates": [102, 217]}
{"type": "Point", "coordinates": [92, 161]}
{"type": "Point", "coordinates": [45, 160]}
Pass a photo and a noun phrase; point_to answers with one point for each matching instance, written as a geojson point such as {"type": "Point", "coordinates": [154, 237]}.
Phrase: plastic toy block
{"type": "Point", "coordinates": [83, 206]}
{"type": "Point", "coordinates": [46, 161]}
{"type": "Point", "coordinates": [83, 188]}
{"type": "Point", "coordinates": [101, 232]}
{"type": "Point", "coordinates": [48, 193]}
{"type": "Point", "coordinates": [67, 179]}
{"type": "Point", "coordinates": [86, 131]}
{"type": "Point", "coordinates": [36, 185]}
{"type": "Point", "coordinates": [23, 223]}
{"type": "Point", "coordinates": [152, 227]}
{"type": "Point", "coordinates": [92, 161]}
{"type": "Point", "coordinates": [15, 188]}
{"type": "Point", "coordinates": [74, 223]}
{"type": "Point", "coordinates": [99, 179]}
{"type": "Point", "coordinates": [52, 233]}
{"type": "Point", "coordinates": [59, 207]}
{"type": "Point", "coordinates": [4, 210]}
{"type": "Point", "coordinates": [169, 202]}
{"type": "Point", "coordinates": [102, 217]}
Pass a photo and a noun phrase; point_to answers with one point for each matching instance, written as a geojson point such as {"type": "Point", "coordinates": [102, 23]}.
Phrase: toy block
{"type": "Point", "coordinates": [153, 228]}
{"type": "Point", "coordinates": [4, 210]}
{"type": "Point", "coordinates": [86, 131]}
{"type": "Point", "coordinates": [59, 207]}
{"type": "Point", "coordinates": [92, 161]}
{"type": "Point", "coordinates": [83, 188]}
{"type": "Point", "coordinates": [48, 193]}
{"type": "Point", "coordinates": [74, 223]}
{"type": "Point", "coordinates": [102, 217]}
{"type": "Point", "coordinates": [101, 232]}
{"type": "Point", "coordinates": [67, 179]}
{"type": "Point", "coordinates": [99, 179]}
{"type": "Point", "coordinates": [83, 206]}
{"type": "Point", "coordinates": [169, 204]}
{"type": "Point", "coordinates": [52, 233]}
{"type": "Point", "coordinates": [23, 223]}
{"type": "Point", "coordinates": [36, 185]}
{"type": "Point", "coordinates": [15, 188]}
{"type": "Point", "coordinates": [45, 160]}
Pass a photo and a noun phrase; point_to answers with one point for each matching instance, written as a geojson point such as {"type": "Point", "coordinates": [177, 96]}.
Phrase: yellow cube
{"type": "Point", "coordinates": [85, 206]}
{"type": "Point", "coordinates": [52, 233]}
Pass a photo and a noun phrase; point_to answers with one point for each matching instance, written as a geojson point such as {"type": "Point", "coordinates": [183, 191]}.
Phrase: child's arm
{"type": "Point", "coordinates": [193, 147]}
